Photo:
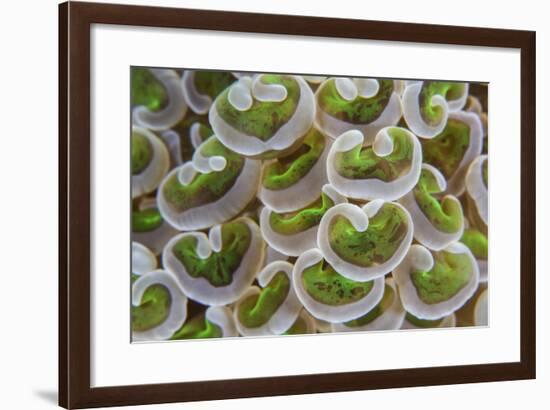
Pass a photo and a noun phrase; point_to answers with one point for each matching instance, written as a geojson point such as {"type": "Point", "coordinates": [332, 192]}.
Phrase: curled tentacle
{"type": "Point", "coordinates": [452, 150]}
{"type": "Point", "coordinates": [365, 243]}
{"type": "Point", "coordinates": [434, 284]}
{"type": "Point", "coordinates": [216, 269]}
{"type": "Point", "coordinates": [157, 98]}
{"type": "Point", "coordinates": [213, 188]}
{"type": "Point", "coordinates": [386, 170]}
{"type": "Point", "coordinates": [200, 88]}
{"type": "Point", "coordinates": [294, 181]}
{"type": "Point", "coordinates": [271, 309]}
{"type": "Point", "coordinates": [328, 295]}
{"type": "Point", "coordinates": [427, 104]}
{"type": "Point", "coordinates": [255, 117]}
{"type": "Point", "coordinates": [150, 161]}
{"type": "Point", "coordinates": [159, 306]}
{"type": "Point", "coordinates": [363, 104]}
{"type": "Point", "coordinates": [438, 222]}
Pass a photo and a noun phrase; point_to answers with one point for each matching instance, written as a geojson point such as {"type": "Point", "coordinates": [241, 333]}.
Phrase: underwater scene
{"type": "Point", "coordinates": [279, 204]}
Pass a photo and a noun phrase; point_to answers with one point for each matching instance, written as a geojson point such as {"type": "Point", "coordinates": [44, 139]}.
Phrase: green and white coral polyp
{"type": "Point", "coordinates": [150, 161]}
{"type": "Point", "coordinates": [174, 110]}
{"type": "Point", "coordinates": [363, 104]}
{"type": "Point", "coordinates": [386, 170]}
{"type": "Point", "coordinates": [177, 310]}
{"type": "Point", "coordinates": [434, 284]}
{"type": "Point", "coordinates": [259, 115]}
{"type": "Point", "coordinates": [427, 104]}
{"type": "Point", "coordinates": [365, 243]}
{"type": "Point", "coordinates": [288, 184]}
{"type": "Point", "coordinates": [212, 188]}
{"type": "Point", "coordinates": [330, 296]}
{"type": "Point", "coordinates": [437, 222]}
{"type": "Point", "coordinates": [271, 309]}
{"type": "Point", "coordinates": [216, 269]}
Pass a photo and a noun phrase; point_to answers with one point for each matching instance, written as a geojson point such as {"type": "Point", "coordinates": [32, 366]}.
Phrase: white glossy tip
{"type": "Point", "coordinates": [204, 247]}
{"type": "Point", "coordinates": [421, 258]}
{"type": "Point", "coordinates": [239, 95]}
{"type": "Point", "coordinates": [348, 140]}
{"type": "Point", "coordinates": [346, 88]}
{"type": "Point", "coordinates": [186, 173]}
{"type": "Point", "coordinates": [194, 135]}
{"type": "Point", "coordinates": [383, 143]}
{"type": "Point", "coordinates": [217, 163]}
{"type": "Point", "coordinates": [215, 238]}
{"type": "Point", "coordinates": [367, 87]}
{"type": "Point", "coordinates": [372, 208]}
{"type": "Point", "coordinates": [268, 92]}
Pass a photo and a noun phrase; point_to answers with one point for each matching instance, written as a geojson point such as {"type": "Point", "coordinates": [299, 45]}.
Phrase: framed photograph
{"type": "Point", "coordinates": [255, 205]}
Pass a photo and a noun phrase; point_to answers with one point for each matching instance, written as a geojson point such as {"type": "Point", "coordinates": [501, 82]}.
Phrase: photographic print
{"type": "Point", "coordinates": [267, 204]}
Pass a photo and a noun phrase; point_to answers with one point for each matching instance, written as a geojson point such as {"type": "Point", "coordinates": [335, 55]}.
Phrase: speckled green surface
{"type": "Point", "coordinates": [291, 223]}
{"type": "Point", "coordinates": [432, 114]}
{"type": "Point", "coordinates": [477, 242]}
{"type": "Point", "coordinates": [153, 310]}
{"type": "Point", "coordinates": [287, 171]}
{"type": "Point", "coordinates": [142, 153]}
{"type": "Point", "coordinates": [327, 286]}
{"type": "Point", "coordinates": [362, 162]}
{"type": "Point", "coordinates": [146, 220]}
{"type": "Point", "coordinates": [198, 328]}
{"type": "Point", "coordinates": [263, 119]}
{"type": "Point", "coordinates": [205, 188]}
{"type": "Point", "coordinates": [387, 229]}
{"type": "Point", "coordinates": [377, 311]}
{"type": "Point", "coordinates": [147, 90]}
{"type": "Point", "coordinates": [445, 214]}
{"type": "Point", "coordinates": [446, 150]}
{"type": "Point", "coordinates": [359, 111]}
{"type": "Point", "coordinates": [450, 273]}
{"type": "Point", "coordinates": [212, 83]}
{"type": "Point", "coordinates": [219, 267]}
{"type": "Point", "coordinates": [256, 310]}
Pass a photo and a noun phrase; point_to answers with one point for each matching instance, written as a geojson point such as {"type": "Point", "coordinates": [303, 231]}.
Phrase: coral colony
{"type": "Point", "coordinates": [268, 204]}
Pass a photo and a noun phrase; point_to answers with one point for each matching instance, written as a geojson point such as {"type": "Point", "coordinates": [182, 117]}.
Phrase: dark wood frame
{"type": "Point", "coordinates": [75, 20]}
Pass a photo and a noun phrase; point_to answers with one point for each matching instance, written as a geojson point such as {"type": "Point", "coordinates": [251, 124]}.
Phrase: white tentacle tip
{"type": "Point", "coordinates": [186, 173]}
{"type": "Point", "coordinates": [217, 163]}
{"type": "Point", "coordinates": [240, 95]}
{"type": "Point", "coordinates": [215, 238]}
{"type": "Point", "coordinates": [346, 88]}
{"type": "Point", "coordinates": [268, 92]}
{"type": "Point", "coordinates": [348, 140]}
{"type": "Point", "coordinates": [383, 143]}
{"type": "Point", "coordinates": [420, 258]}
{"type": "Point", "coordinates": [194, 135]}
{"type": "Point", "coordinates": [372, 208]}
{"type": "Point", "coordinates": [367, 87]}
{"type": "Point", "coordinates": [204, 246]}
